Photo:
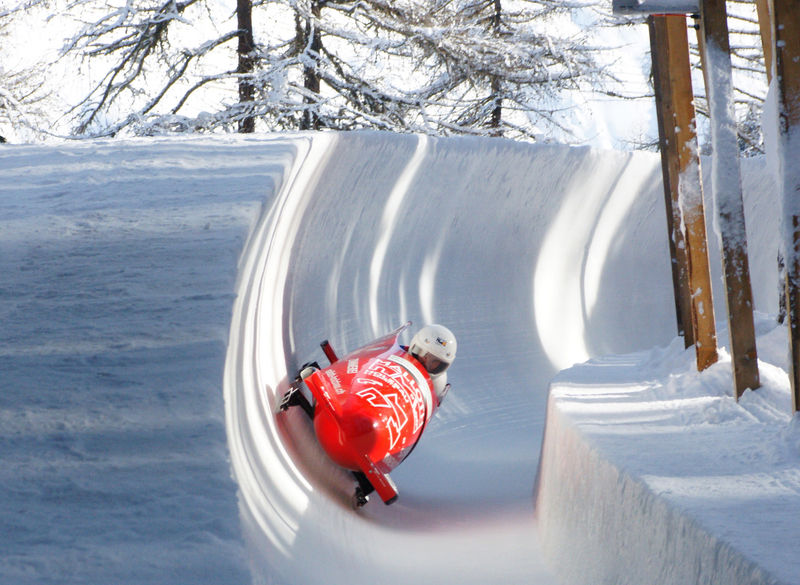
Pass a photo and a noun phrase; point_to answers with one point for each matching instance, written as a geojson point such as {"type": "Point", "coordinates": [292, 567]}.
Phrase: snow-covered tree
{"type": "Point", "coordinates": [23, 99]}
{"type": "Point", "coordinates": [499, 67]}
{"type": "Point", "coordinates": [435, 66]}
{"type": "Point", "coordinates": [502, 66]}
{"type": "Point", "coordinates": [749, 75]}
{"type": "Point", "coordinates": [246, 64]}
{"type": "Point", "coordinates": [144, 62]}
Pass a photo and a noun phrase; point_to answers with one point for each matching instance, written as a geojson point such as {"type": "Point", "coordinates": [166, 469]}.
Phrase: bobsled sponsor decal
{"type": "Point", "coordinates": [352, 366]}
{"type": "Point", "coordinates": [395, 386]}
{"type": "Point", "coordinates": [419, 378]}
{"type": "Point", "coordinates": [395, 419]}
{"type": "Point", "coordinates": [334, 379]}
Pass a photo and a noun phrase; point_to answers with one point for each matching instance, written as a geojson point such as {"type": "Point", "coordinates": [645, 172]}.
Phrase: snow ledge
{"type": "Point", "coordinates": [600, 522]}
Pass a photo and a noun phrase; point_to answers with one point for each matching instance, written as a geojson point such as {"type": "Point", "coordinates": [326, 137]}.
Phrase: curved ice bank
{"type": "Point", "coordinates": [537, 257]}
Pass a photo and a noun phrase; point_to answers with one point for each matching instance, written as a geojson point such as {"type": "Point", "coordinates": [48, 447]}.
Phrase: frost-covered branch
{"type": "Point", "coordinates": [143, 64]}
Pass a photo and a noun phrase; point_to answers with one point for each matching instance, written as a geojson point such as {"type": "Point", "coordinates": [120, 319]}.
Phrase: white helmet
{"type": "Point", "coordinates": [435, 348]}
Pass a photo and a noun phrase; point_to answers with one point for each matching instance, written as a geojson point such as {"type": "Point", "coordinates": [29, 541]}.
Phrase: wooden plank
{"type": "Point", "coordinates": [727, 188]}
{"type": "Point", "coordinates": [787, 53]}
{"type": "Point", "coordinates": [793, 314]}
{"type": "Point", "coordinates": [669, 171]}
{"type": "Point", "coordinates": [764, 10]}
{"type": "Point", "coordinates": [690, 189]}
{"type": "Point", "coordinates": [786, 31]}
{"type": "Point", "coordinates": [681, 165]}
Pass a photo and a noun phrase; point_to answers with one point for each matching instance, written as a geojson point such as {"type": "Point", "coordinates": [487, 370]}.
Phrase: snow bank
{"type": "Point", "coordinates": [658, 480]}
{"type": "Point", "coordinates": [118, 262]}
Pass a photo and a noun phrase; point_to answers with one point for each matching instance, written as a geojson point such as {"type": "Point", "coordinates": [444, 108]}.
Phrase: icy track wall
{"type": "Point", "coordinates": [510, 245]}
{"type": "Point", "coordinates": [626, 534]}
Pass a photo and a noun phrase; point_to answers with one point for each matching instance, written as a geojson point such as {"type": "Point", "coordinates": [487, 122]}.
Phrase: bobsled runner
{"type": "Point", "coordinates": [369, 408]}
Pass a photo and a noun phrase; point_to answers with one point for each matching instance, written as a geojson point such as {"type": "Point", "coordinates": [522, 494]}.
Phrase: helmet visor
{"type": "Point", "coordinates": [433, 364]}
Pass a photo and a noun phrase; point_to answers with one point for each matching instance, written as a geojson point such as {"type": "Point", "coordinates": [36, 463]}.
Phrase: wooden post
{"type": "Point", "coordinates": [765, 25]}
{"type": "Point", "coordinates": [727, 190]}
{"type": "Point", "coordinates": [682, 179]}
{"type": "Point", "coordinates": [764, 10]}
{"type": "Point", "coordinates": [787, 70]}
{"type": "Point", "coordinates": [669, 172]}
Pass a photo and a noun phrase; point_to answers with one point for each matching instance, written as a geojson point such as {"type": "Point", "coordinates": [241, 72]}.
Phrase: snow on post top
{"type": "Point", "coordinates": [656, 6]}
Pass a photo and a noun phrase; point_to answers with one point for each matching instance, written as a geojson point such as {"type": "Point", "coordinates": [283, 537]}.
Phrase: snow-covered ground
{"type": "Point", "coordinates": [118, 263]}
{"type": "Point", "coordinates": [157, 293]}
{"type": "Point", "coordinates": [687, 485]}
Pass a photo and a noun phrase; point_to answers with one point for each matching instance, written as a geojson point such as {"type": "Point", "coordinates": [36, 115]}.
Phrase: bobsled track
{"type": "Point", "coordinates": [526, 252]}
{"type": "Point", "coordinates": [122, 460]}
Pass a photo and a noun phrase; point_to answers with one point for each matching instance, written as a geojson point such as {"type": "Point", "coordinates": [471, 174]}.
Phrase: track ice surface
{"type": "Point", "coordinates": [119, 260]}
{"type": "Point", "coordinates": [535, 256]}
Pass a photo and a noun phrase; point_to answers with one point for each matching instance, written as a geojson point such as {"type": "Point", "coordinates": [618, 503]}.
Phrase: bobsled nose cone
{"type": "Point", "coordinates": [347, 438]}
{"type": "Point", "coordinates": [360, 432]}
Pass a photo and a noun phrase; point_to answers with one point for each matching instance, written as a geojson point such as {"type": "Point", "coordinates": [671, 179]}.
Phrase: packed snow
{"type": "Point", "coordinates": [158, 294]}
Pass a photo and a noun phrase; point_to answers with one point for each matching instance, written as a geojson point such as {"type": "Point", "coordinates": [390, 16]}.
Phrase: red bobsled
{"type": "Point", "coordinates": [369, 410]}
